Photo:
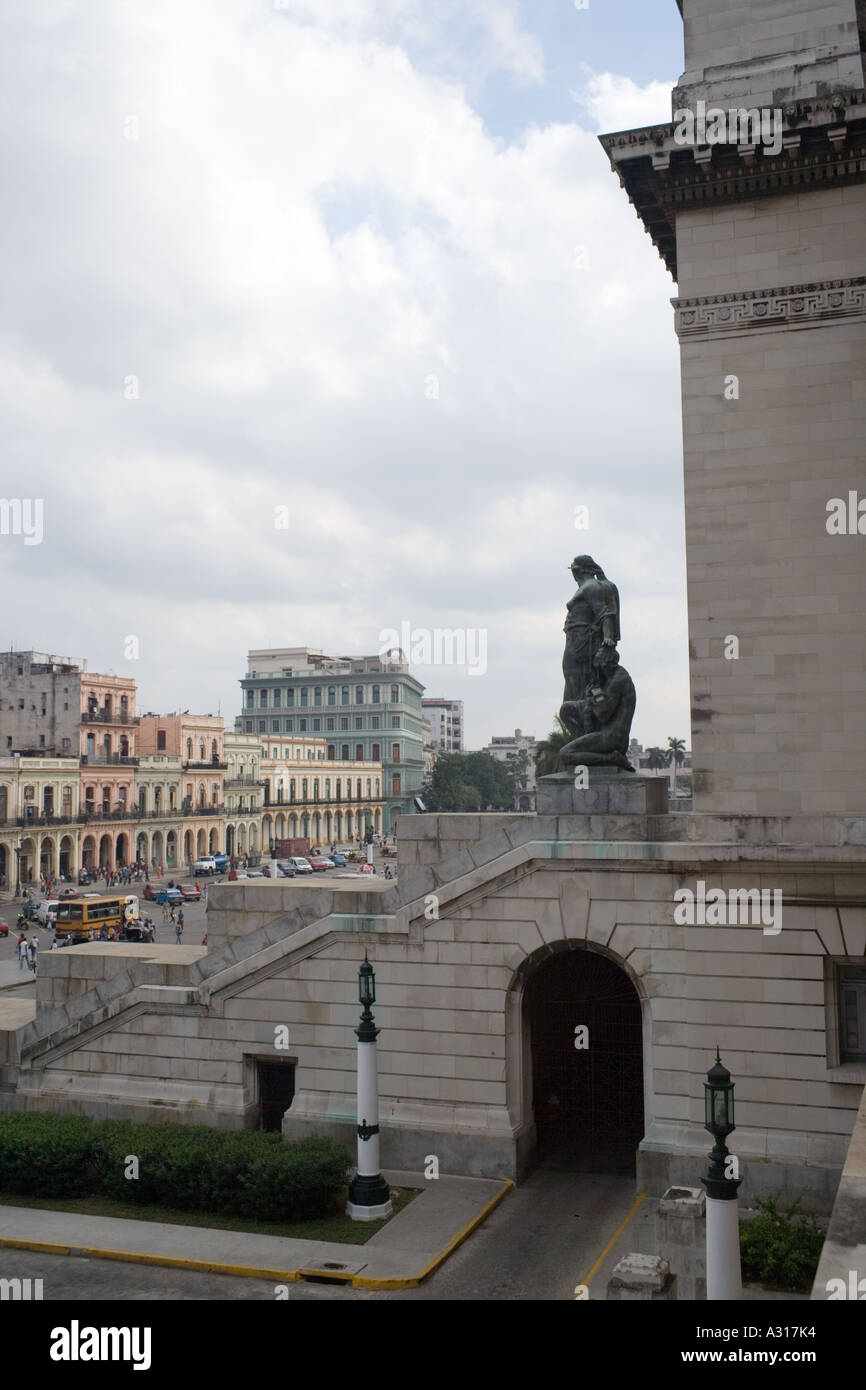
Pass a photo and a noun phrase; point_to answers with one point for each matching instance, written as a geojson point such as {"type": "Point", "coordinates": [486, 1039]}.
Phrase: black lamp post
{"type": "Point", "coordinates": [18, 853]}
{"type": "Point", "coordinates": [369, 1194]}
{"type": "Point", "coordinates": [724, 1280]}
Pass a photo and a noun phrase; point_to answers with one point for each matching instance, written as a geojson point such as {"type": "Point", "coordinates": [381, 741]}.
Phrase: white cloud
{"type": "Point", "coordinates": [306, 231]}
{"type": "Point", "coordinates": [615, 102]}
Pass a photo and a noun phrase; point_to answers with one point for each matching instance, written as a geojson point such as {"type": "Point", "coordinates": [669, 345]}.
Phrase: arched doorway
{"type": "Point", "coordinates": [582, 1020]}
{"type": "Point", "coordinates": [105, 852]}
{"type": "Point", "coordinates": [67, 857]}
{"type": "Point", "coordinates": [88, 852]}
{"type": "Point", "coordinates": [141, 848]}
{"type": "Point", "coordinates": [214, 842]}
{"type": "Point", "coordinates": [4, 867]}
{"type": "Point", "coordinates": [156, 850]}
{"type": "Point", "coordinates": [230, 840]}
{"type": "Point", "coordinates": [171, 850]}
{"type": "Point", "coordinates": [120, 850]}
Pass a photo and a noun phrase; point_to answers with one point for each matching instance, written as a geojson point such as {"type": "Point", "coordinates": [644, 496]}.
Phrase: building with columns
{"type": "Point", "coordinates": [197, 740]}
{"type": "Point", "coordinates": [244, 793]}
{"type": "Point", "coordinates": [311, 796]}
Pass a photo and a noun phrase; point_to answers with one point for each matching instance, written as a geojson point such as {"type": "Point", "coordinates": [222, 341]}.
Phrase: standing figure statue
{"type": "Point", "coordinates": [592, 621]}
{"type": "Point", "coordinates": [599, 700]}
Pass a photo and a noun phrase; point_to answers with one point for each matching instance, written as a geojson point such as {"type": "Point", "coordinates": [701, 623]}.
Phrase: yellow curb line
{"type": "Point", "coordinates": [281, 1276]}
{"type": "Point", "coordinates": [362, 1282]}
{"type": "Point", "coordinates": [613, 1240]}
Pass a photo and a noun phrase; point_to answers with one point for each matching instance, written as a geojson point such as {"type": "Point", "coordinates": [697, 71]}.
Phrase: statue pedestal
{"type": "Point", "coordinates": [611, 791]}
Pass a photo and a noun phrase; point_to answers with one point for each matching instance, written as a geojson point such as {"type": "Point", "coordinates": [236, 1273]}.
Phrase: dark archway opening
{"type": "Point", "coordinates": [587, 1099]}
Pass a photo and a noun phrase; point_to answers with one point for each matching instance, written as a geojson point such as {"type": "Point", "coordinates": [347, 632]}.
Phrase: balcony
{"type": "Point", "coordinates": [108, 760]}
{"type": "Point", "coordinates": [204, 810]}
{"type": "Point", "coordinates": [244, 782]}
{"type": "Point", "coordinates": [99, 716]}
{"type": "Point", "coordinates": [103, 814]}
{"type": "Point", "coordinates": [212, 765]}
{"type": "Point", "coordinates": [25, 822]}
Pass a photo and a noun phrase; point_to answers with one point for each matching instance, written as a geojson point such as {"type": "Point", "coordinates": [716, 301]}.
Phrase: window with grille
{"type": "Point", "coordinates": [852, 1013]}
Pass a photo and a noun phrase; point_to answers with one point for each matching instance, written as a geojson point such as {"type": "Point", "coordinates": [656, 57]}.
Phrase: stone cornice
{"type": "Point", "coordinates": [791, 306]}
{"type": "Point", "coordinates": [823, 145]}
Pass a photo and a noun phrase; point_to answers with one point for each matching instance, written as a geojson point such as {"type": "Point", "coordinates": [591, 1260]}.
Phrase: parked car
{"type": "Point", "coordinates": [255, 873]}
{"type": "Point", "coordinates": [150, 891]}
{"type": "Point", "coordinates": [319, 863]}
{"type": "Point", "coordinates": [286, 868]}
{"type": "Point", "coordinates": [4, 927]}
{"type": "Point", "coordinates": [237, 873]}
{"type": "Point", "coordinates": [302, 865]}
{"type": "Point", "coordinates": [339, 860]}
{"type": "Point", "coordinates": [207, 865]}
{"type": "Point", "coordinates": [69, 893]}
{"type": "Point", "coordinates": [191, 894]}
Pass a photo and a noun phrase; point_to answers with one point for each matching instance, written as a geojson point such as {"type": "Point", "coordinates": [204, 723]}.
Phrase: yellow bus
{"type": "Point", "coordinates": [77, 918]}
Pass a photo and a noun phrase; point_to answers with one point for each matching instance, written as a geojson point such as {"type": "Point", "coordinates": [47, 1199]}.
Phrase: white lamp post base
{"type": "Point", "coordinates": [369, 1213]}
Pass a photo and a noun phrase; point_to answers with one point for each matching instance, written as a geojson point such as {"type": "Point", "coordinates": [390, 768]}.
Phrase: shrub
{"type": "Point", "coordinates": [781, 1246]}
{"type": "Point", "coordinates": [188, 1167]}
{"type": "Point", "coordinates": [46, 1155]}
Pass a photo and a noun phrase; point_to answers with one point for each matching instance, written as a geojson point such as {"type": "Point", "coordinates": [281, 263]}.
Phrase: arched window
{"type": "Point", "coordinates": [332, 694]}
{"type": "Point", "coordinates": [201, 750]}
{"type": "Point", "coordinates": [345, 695]}
{"type": "Point", "coordinates": [315, 789]}
{"type": "Point", "coordinates": [339, 788]}
{"type": "Point", "coordinates": [359, 694]}
{"type": "Point", "coordinates": [201, 794]}
{"type": "Point", "coordinates": [188, 749]}
{"type": "Point", "coordinates": [327, 788]}
{"type": "Point", "coordinates": [303, 789]}
{"type": "Point", "coordinates": [317, 695]}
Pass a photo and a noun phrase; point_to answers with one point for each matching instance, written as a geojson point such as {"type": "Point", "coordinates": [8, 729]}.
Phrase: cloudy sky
{"type": "Point", "coordinates": [324, 316]}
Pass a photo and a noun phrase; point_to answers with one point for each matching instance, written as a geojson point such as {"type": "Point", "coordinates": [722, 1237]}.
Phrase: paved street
{"type": "Point", "coordinates": [538, 1244]}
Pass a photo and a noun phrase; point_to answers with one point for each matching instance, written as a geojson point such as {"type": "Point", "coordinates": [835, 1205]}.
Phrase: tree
{"type": "Point", "coordinates": [676, 755]}
{"type": "Point", "coordinates": [547, 752]}
{"type": "Point", "coordinates": [657, 757]}
{"type": "Point", "coordinates": [469, 782]}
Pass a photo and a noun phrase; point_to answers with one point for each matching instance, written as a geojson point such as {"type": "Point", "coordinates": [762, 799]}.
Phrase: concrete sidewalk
{"type": "Point", "coordinates": [403, 1253]}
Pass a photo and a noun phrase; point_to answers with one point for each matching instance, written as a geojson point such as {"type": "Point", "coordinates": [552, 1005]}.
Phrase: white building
{"type": "Point", "coordinates": [446, 723]}
{"type": "Point", "coordinates": [518, 748]}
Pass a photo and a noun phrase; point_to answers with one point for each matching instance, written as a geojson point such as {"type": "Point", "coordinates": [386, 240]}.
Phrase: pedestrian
{"type": "Point", "coordinates": [32, 948]}
{"type": "Point", "coordinates": [22, 951]}
{"type": "Point", "coordinates": [54, 944]}
{"type": "Point", "coordinates": [178, 932]}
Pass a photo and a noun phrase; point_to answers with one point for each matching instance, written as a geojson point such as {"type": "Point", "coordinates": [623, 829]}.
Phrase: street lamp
{"type": "Point", "coordinates": [724, 1280]}
{"type": "Point", "coordinates": [369, 1194]}
{"type": "Point", "coordinates": [18, 853]}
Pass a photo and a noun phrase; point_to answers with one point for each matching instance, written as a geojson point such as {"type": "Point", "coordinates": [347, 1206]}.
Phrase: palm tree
{"type": "Point", "coordinates": [547, 752]}
{"type": "Point", "coordinates": [676, 755]}
{"type": "Point", "coordinates": [656, 758]}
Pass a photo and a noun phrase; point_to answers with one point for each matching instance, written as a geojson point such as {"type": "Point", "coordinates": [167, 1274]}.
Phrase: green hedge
{"type": "Point", "coordinates": [189, 1167]}
{"type": "Point", "coordinates": [781, 1246]}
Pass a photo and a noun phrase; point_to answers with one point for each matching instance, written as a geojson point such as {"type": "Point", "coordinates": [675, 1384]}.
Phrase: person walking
{"type": "Point", "coordinates": [32, 948]}
{"type": "Point", "coordinates": [180, 917]}
{"type": "Point", "coordinates": [22, 951]}
{"type": "Point", "coordinates": [178, 933]}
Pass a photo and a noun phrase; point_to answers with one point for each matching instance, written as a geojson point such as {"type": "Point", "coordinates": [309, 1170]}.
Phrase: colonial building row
{"type": "Point", "coordinates": [86, 783]}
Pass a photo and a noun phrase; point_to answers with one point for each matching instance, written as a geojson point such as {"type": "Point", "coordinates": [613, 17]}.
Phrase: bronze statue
{"type": "Point", "coordinates": [599, 699]}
